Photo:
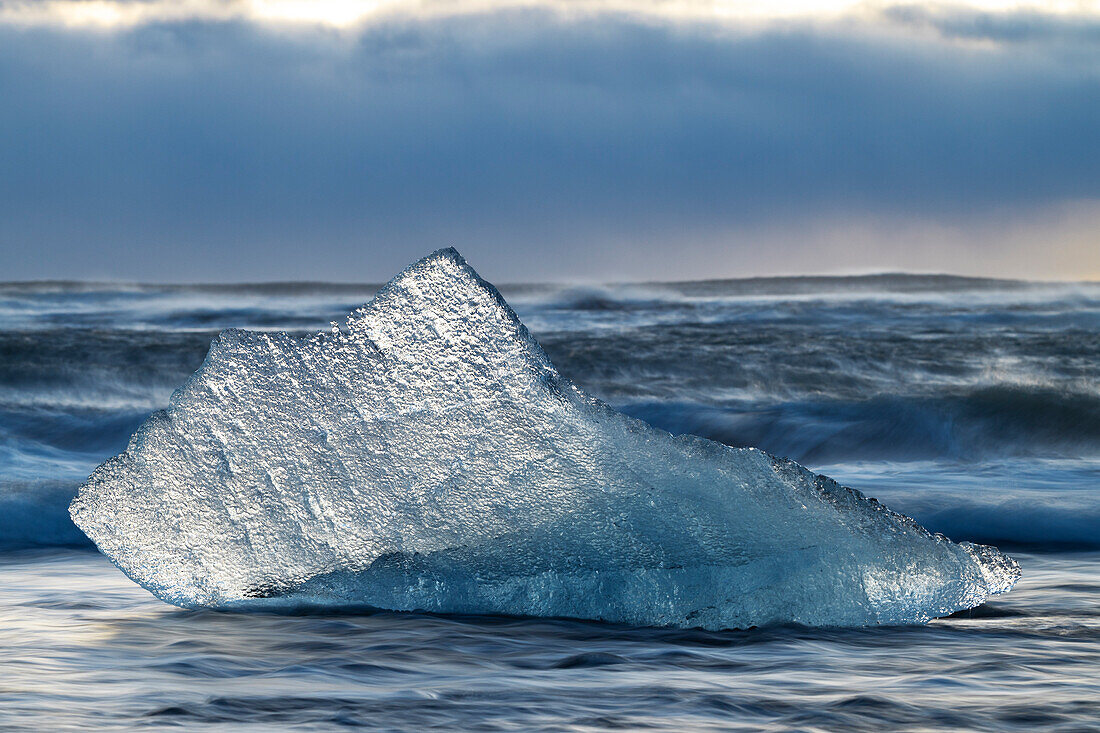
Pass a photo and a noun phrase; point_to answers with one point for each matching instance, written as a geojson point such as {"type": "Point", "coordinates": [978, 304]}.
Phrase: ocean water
{"type": "Point", "coordinates": [972, 405]}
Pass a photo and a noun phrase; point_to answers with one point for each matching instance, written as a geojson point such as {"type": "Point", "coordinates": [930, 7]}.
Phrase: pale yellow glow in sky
{"type": "Point", "coordinates": [338, 13]}
{"type": "Point", "coordinates": [349, 13]}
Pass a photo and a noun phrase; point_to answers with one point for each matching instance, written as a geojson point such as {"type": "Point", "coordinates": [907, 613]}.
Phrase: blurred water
{"type": "Point", "coordinates": [85, 648]}
{"type": "Point", "coordinates": [972, 405]}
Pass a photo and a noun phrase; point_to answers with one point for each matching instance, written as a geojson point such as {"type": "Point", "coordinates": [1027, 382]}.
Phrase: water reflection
{"type": "Point", "coordinates": [89, 648]}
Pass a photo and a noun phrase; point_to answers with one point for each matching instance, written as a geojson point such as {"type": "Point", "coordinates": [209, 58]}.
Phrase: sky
{"type": "Point", "coordinates": [582, 140]}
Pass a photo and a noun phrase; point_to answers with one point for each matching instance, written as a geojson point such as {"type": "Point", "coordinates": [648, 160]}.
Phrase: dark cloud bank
{"type": "Point", "coordinates": [611, 147]}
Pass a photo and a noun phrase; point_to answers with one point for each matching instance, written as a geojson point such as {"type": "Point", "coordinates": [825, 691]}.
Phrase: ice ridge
{"type": "Point", "coordinates": [427, 456]}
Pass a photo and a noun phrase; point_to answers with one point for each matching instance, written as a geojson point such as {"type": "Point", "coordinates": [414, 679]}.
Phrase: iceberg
{"type": "Point", "coordinates": [427, 456]}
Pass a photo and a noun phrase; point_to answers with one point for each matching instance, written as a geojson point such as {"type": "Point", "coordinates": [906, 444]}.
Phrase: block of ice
{"type": "Point", "coordinates": [428, 456]}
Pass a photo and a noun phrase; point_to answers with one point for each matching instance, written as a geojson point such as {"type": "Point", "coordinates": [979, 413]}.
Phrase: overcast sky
{"type": "Point", "coordinates": [340, 140]}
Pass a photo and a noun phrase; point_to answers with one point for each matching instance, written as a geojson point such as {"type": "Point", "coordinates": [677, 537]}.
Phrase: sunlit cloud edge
{"type": "Point", "coordinates": [353, 14]}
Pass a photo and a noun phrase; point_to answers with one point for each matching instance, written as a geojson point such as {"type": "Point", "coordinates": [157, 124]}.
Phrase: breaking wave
{"type": "Point", "coordinates": [981, 423]}
{"type": "Point", "coordinates": [36, 514]}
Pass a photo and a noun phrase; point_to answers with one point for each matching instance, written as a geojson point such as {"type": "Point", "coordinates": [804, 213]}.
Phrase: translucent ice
{"type": "Point", "coordinates": [430, 457]}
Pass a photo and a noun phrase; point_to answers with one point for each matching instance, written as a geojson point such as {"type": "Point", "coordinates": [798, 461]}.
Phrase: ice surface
{"type": "Point", "coordinates": [430, 457]}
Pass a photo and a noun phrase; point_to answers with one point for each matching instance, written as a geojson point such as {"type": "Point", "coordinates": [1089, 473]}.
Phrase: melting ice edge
{"type": "Point", "coordinates": [427, 456]}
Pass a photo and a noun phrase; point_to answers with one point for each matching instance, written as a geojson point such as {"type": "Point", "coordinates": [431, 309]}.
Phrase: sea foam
{"type": "Point", "coordinates": [428, 456]}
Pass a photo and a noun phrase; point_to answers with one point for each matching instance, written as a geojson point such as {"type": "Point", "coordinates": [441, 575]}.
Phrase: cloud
{"type": "Point", "coordinates": [354, 14]}
{"type": "Point", "coordinates": [606, 145]}
{"type": "Point", "coordinates": [1069, 30]}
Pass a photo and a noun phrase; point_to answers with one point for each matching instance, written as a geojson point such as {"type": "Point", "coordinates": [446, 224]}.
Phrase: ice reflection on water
{"type": "Point", "coordinates": [84, 647]}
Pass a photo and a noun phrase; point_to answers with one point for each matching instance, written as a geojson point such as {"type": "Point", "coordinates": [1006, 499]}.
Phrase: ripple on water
{"type": "Point", "coordinates": [92, 650]}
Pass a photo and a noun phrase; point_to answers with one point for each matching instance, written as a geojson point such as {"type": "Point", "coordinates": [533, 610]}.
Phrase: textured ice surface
{"type": "Point", "coordinates": [430, 457]}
